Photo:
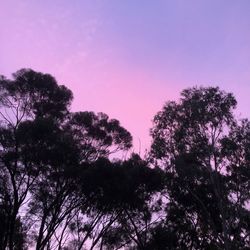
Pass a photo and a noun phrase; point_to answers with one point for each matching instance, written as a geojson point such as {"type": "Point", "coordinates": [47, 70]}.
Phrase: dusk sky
{"type": "Point", "coordinates": [127, 57]}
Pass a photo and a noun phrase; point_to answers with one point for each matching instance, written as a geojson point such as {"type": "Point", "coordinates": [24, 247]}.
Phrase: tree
{"type": "Point", "coordinates": [97, 136]}
{"type": "Point", "coordinates": [120, 194]}
{"type": "Point", "coordinates": [30, 96]}
{"type": "Point", "coordinates": [58, 198]}
{"type": "Point", "coordinates": [53, 194]}
{"type": "Point", "coordinates": [59, 188]}
{"type": "Point", "coordinates": [43, 146]}
{"type": "Point", "coordinates": [204, 152]}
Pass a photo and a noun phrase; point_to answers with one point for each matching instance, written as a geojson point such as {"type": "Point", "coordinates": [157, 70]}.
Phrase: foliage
{"type": "Point", "coordinates": [205, 153]}
{"type": "Point", "coordinates": [59, 188]}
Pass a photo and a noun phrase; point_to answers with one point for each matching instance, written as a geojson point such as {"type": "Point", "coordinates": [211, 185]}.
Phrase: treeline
{"type": "Point", "coordinates": [59, 188]}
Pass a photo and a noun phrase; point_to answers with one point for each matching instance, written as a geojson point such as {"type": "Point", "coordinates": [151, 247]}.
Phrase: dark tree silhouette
{"type": "Point", "coordinates": [204, 151]}
{"type": "Point", "coordinates": [43, 146]}
{"type": "Point", "coordinates": [59, 188]}
{"type": "Point", "coordinates": [97, 136]}
{"type": "Point", "coordinates": [122, 192]}
{"type": "Point", "coordinates": [29, 96]}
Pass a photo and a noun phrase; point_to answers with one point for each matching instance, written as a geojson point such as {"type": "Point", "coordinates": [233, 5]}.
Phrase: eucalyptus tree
{"type": "Point", "coordinates": [28, 96]}
{"type": "Point", "coordinates": [204, 150]}
{"type": "Point", "coordinates": [84, 137]}
{"type": "Point", "coordinates": [120, 194]}
{"type": "Point", "coordinates": [97, 136]}
{"type": "Point", "coordinates": [60, 190]}
{"type": "Point", "coordinates": [42, 147]}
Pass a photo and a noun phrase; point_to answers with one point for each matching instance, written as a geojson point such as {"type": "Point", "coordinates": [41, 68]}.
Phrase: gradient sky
{"type": "Point", "coordinates": [127, 57]}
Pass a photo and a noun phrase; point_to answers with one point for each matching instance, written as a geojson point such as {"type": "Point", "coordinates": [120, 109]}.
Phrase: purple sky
{"type": "Point", "coordinates": [127, 57]}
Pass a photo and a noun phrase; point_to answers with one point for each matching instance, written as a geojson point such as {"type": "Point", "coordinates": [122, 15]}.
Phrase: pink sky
{"type": "Point", "coordinates": [126, 58]}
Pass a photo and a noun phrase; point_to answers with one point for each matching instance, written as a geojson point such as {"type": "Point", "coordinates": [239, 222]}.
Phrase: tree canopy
{"type": "Point", "coordinates": [204, 150]}
{"type": "Point", "coordinates": [60, 189]}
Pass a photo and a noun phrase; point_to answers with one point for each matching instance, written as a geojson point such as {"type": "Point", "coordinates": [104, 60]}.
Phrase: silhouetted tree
{"type": "Point", "coordinates": [97, 136]}
{"type": "Point", "coordinates": [58, 195]}
{"type": "Point", "coordinates": [204, 152]}
{"type": "Point", "coordinates": [29, 96]}
{"type": "Point", "coordinates": [42, 147]}
{"type": "Point", "coordinates": [120, 194]}
{"type": "Point", "coordinates": [59, 188]}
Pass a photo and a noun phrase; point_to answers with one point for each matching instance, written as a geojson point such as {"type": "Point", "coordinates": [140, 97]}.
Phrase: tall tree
{"type": "Point", "coordinates": [29, 96]}
{"type": "Point", "coordinates": [120, 194]}
{"type": "Point", "coordinates": [82, 139]}
{"type": "Point", "coordinates": [197, 141]}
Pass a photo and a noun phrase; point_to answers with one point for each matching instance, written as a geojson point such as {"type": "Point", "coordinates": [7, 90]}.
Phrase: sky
{"type": "Point", "coordinates": [127, 58]}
